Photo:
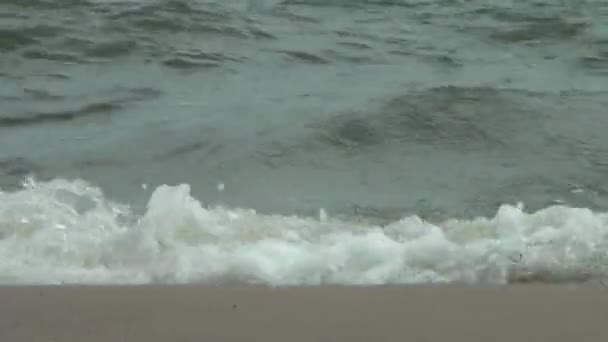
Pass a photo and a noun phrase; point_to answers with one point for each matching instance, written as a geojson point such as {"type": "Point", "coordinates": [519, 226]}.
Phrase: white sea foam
{"type": "Point", "coordinates": [67, 232]}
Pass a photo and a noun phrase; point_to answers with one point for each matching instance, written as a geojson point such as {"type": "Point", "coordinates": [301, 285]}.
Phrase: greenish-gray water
{"type": "Point", "coordinates": [358, 141]}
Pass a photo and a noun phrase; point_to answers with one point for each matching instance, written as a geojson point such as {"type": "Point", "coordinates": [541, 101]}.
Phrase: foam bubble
{"type": "Point", "coordinates": [67, 232]}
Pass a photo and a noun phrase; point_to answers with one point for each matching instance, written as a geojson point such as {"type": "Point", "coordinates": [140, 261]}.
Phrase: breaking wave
{"type": "Point", "coordinates": [64, 231]}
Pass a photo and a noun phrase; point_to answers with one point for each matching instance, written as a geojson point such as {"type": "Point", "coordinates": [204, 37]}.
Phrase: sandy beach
{"type": "Point", "coordinates": [198, 313]}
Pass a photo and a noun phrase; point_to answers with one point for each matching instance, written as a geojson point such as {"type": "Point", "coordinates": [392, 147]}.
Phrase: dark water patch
{"type": "Point", "coordinates": [120, 95]}
{"type": "Point", "coordinates": [507, 15]}
{"type": "Point", "coordinates": [43, 31]}
{"type": "Point", "coordinates": [155, 24]}
{"type": "Point", "coordinates": [182, 150]}
{"type": "Point", "coordinates": [441, 60]}
{"type": "Point", "coordinates": [186, 149]}
{"type": "Point", "coordinates": [17, 166]}
{"type": "Point", "coordinates": [207, 12]}
{"type": "Point", "coordinates": [155, 18]}
{"type": "Point", "coordinates": [595, 63]}
{"type": "Point", "coordinates": [13, 170]}
{"type": "Point", "coordinates": [50, 56]}
{"type": "Point", "coordinates": [528, 12]}
{"type": "Point", "coordinates": [445, 115]}
{"type": "Point", "coordinates": [111, 49]}
{"type": "Point", "coordinates": [207, 56]}
{"type": "Point", "coordinates": [549, 276]}
{"type": "Point", "coordinates": [541, 29]}
{"type": "Point", "coordinates": [94, 163]}
{"type": "Point", "coordinates": [19, 37]}
{"type": "Point", "coordinates": [178, 6]}
{"type": "Point", "coordinates": [349, 57]}
{"type": "Point", "coordinates": [130, 95]}
{"type": "Point", "coordinates": [94, 109]}
{"type": "Point", "coordinates": [50, 4]}
{"type": "Point", "coordinates": [260, 34]}
{"type": "Point", "coordinates": [399, 41]}
{"type": "Point", "coordinates": [12, 39]}
{"type": "Point", "coordinates": [371, 6]}
{"type": "Point", "coordinates": [355, 45]}
{"type": "Point", "coordinates": [138, 94]}
{"type": "Point", "coordinates": [304, 57]}
{"type": "Point", "coordinates": [11, 13]}
{"type": "Point", "coordinates": [204, 151]}
{"type": "Point", "coordinates": [356, 35]}
{"type": "Point", "coordinates": [597, 158]}
{"type": "Point", "coordinates": [460, 118]}
{"type": "Point", "coordinates": [325, 3]}
{"type": "Point", "coordinates": [588, 150]}
{"type": "Point", "coordinates": [222, 30]}
{"type": "Point", "coordinates": [352, 133]}
{"type": "Point", "coordinates": [58, 76]}
{"type": "Point", "coordinates": [276, 154]}
{"type": "Point", "coordinates": [183, 17]}
{"type": "Point", "coordinates": [40, 94]}
{"type": "Point", "coordinates": [284, 13]}
{"type": "Point", "coordinates": [77, 42]}
{"type": "Point", "coordinates": [578, 134]}
{"type": "Point", "coordinates": [10, 98]}
{"type": "Point", "coordinates": [185, 63]}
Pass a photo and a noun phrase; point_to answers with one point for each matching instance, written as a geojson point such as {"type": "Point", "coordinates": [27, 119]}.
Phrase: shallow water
{"type": "Point", "coordinates": [373, 111]}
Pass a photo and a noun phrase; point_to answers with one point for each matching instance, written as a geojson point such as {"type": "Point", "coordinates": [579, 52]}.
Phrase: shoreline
{"type": "Point", "coordinates": [150, 313]}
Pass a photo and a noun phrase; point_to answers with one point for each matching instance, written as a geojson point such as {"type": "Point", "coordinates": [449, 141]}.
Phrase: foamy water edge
{"type": "Point", "coordinates": [64, 231]}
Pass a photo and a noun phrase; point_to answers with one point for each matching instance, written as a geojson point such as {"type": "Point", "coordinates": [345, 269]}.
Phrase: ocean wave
{"type": "Point", "coordinates": [67, 232]}
{"type": "Point", "coordinates": [81, 32]}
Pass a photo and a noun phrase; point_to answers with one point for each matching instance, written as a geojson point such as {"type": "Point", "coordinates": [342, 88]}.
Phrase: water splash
{"type": "Point", "coordinates": [67, 232]}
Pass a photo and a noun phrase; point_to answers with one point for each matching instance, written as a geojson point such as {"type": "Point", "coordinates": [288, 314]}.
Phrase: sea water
{"type": "Point", "coordinates": [303, 142]}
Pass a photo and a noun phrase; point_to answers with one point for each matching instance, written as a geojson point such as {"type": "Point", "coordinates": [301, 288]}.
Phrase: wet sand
{"type": "Point", "coordinates": [202, 313]}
